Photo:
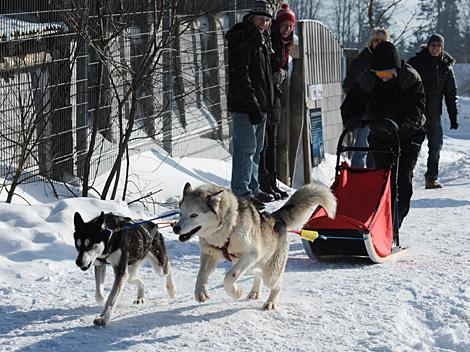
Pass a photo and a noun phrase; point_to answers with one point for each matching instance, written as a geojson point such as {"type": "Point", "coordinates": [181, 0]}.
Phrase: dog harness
{"type": "Point", "coordinates": [227, 255]}
{"type": "Point", "coordinates": [105, 253]}
{"type": "Point", "coordinates": [225, 251]}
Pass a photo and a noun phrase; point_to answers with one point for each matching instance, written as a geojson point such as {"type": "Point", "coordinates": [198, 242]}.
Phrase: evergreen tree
{"type": "Point", "coordinates": [447, 24]}
{"type": "Point", "coordinates": [439, 16]}
{"type": "Point", "coordinates": [465, 52]}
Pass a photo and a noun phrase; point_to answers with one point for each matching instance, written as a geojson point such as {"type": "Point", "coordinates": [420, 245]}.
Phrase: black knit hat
{"type": "Point", "coordinates": [385, 57]}
{"type": "Point", "coordinates": [436, 38]}
{"type": "Point", "coordinates": [261, 8]}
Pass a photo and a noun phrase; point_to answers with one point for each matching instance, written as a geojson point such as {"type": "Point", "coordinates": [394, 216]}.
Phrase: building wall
{"type": "Point", "coordinates": [324, 69]}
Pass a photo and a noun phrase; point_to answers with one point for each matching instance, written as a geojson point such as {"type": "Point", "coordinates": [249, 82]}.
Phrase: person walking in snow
{"type": "Point", "coordinates": [282, 38]}
{"type": "Point", "coordinates": [390, 89]}
{"type": "Point", "coordinates": [357, 66]}
{"type": "Point", "coordinates": [250, 97]}
{"type": "Point", "coordinates": [434, 65]}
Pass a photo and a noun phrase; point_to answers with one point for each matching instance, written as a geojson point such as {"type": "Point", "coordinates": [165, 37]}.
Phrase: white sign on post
{"type": "Point", "coordinates": [315, 91]}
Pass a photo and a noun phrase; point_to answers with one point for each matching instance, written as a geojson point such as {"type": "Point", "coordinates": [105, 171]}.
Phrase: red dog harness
{"type": "Point", "coordinates": [225, 251]}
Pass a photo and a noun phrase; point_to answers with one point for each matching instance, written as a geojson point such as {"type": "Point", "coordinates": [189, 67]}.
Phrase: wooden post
{"type": "Point", "coordinates": [61, 112]}
{"type": "Point", "coordinates": [307, 150]}
{"type": "Point", "coordinates": [178, 74]}
{"type": "Point", "coordinates": [145, 24]}
{"type": "Point", "coordinates": [196, 46]}
{"type": "Point", "coordinates": [283, 167]}
{"type": "Point", "coordinates": [167, 77]}
{"type": "Point", "coordinates": [211, 74]}
{"type": "Point", "coordinates": [296, 103]}
{"type": "Point", "coordinates": [42, 108]}
{"type": "Point", "coordinates": [83, 116]}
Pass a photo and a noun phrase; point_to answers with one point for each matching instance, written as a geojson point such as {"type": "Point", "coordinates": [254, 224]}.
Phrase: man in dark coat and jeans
{"type": "Point", "coordinates": [390, 89]}
{"type": "Point", "coordinates": [250, 98]}
{"type": "Point", "coordinates": [357, 66]}
{"type": "Point", "coordinates": [435, 68]}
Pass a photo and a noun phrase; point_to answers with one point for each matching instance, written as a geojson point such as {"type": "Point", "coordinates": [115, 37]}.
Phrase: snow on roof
{"type": "Point", "coordinates": [12, 28]}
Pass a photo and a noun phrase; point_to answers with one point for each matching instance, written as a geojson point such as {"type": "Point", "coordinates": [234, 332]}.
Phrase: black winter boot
{"type": "Point", "coordinates": [282, 194]}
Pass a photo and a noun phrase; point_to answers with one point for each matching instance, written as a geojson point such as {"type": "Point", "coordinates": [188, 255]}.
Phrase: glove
{"type": "Point", "coordinates": [279, 76]}
{"type": "Point", "coordinates": [454, 125]}
{"type": "Point", "coordinates": [256, 116]}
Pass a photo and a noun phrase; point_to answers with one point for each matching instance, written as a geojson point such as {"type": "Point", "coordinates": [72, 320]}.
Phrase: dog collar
{"type": "Point", "coordinates": [102, 260]}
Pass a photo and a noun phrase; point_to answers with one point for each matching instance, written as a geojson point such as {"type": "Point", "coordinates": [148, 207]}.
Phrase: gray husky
{"type": "Point", "coordinates": [232, 228]}
{"type": "Point", "coordinates": [117, 240]}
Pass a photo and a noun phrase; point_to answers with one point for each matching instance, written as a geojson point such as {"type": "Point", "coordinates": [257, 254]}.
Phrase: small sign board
{"type": "Point", "coordinates": [316, 132]}
{"type": "Point", "coordinates": [315, 91]}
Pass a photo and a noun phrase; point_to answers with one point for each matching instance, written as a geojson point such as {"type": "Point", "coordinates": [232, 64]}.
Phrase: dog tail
{"type": "Point", "coordinates": [301, 204]}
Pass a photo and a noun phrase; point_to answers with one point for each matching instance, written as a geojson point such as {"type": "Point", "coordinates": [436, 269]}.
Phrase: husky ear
{"type": "Point", "coordinates": [216, 198]}
{"type": "Point", "coordinates": [187, 188]}
{"type": "Point", "coordinates": [77, 220]}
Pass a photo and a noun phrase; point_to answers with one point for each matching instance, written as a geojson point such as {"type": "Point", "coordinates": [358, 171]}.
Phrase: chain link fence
{"type": "Point", "coordinates": [75, 76]}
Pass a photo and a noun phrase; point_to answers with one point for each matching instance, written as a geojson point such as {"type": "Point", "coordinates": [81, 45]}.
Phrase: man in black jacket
{"type": "Point", "coordinates": [357, 66]}
{"type": "Point", "coordinates": [390, 89]}
{"type": "Point", "coordinates": [250, 97]}
{"type": "Point", "coordinates": [435, 68]}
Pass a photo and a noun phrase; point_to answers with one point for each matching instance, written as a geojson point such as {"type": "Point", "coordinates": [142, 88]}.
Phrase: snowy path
{"type": "Point", "coordinates": [418, 303]}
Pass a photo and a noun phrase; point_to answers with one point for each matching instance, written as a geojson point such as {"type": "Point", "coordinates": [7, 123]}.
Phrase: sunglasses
{"type": "Point", "coordinates": [388, 74]}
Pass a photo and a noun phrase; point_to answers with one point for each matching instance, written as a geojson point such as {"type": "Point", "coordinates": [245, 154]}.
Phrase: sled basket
{"type": "Point", "coordinates": [364, 221]}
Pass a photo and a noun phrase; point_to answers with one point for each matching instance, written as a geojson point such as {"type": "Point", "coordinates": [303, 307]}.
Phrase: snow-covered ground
{"type": "Point", "coordinates": [420, 302]}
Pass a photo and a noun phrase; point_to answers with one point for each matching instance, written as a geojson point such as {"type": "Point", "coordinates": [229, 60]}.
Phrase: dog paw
{"type": "Point", "coordinates": [139, 301]}
{"type": "Point", "coordinates": [269, 305]}
{"type": "Point", "coordinates": [253, 295]}
{"type": "Point", "coordinates": [202, 294]}
{"type": "Point", "coordinates": [235, 292]}
{"type": "Point", "coordinates": [171, 292]}
{"type": "Point", "coordinates": [100, 321]}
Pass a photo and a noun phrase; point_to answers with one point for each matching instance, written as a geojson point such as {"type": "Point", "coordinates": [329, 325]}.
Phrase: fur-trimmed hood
{"type": "Point", "coordinates": [446, 58]}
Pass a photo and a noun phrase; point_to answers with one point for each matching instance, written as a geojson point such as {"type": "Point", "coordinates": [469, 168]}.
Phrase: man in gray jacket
{"type": "Point", "coordinates": [434, 65]}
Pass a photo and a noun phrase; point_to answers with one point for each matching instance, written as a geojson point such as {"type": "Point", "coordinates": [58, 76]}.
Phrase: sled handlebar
{"type": "Point", "coordinates": [386, 126]}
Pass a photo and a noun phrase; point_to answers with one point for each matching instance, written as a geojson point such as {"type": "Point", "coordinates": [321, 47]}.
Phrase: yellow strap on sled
{"type": "Point", "coordinates": [309, 235]}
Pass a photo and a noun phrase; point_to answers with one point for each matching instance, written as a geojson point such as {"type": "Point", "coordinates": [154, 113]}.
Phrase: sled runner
{"type": "Point", "coordinates": [366, 223]}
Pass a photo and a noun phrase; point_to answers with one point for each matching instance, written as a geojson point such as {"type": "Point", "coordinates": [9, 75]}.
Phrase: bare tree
{"type": "Point", "coordinates": [306, 9]}
{"type": "Point", "coordinates": [343, 19]}
{"type": "Point", "coordinates": [134, 46]}
{"type": "Point", "coordinates": [380, 12]}
{"type": "Point", "coordinates": [352, 20]}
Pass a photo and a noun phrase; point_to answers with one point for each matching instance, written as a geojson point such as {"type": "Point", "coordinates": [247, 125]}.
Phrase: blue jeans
{"type": "Point", "coordinates": [248, 140]}
{"type": "Point", "coordinates": [359, 159]}
{"type": "Point", "coordinates": [435, 140]}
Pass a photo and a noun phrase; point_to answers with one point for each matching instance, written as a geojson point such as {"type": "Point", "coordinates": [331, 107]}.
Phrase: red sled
{"type": "Point", "coordinates": [365, 216]}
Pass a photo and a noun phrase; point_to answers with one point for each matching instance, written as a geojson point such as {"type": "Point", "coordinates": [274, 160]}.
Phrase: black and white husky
{"type": "Point", "coordinates": [117, 240]}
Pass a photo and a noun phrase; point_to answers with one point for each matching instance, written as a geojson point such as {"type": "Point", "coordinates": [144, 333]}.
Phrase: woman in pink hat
{"type": "Point", "coordinates": [282, 37]}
